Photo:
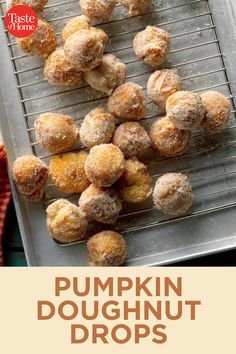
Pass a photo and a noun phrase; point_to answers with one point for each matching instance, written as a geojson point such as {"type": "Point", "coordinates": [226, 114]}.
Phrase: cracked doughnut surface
{"type": "Point", "coordinates": [75, 24]}
{"type": "Point", "coordinates": [98, 9]}
{"type": "Point", "coordinates": [152, 45]}
{"type": "Point", "coordinates": [100, 204]}
{"type": "Point", "coordinates": [65, 221]}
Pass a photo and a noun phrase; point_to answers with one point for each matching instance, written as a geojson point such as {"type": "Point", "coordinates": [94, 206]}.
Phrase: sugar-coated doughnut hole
{"type": "Point", "coordinates": [173, 194]}
{"type": "Point", "coordinates": [56, 132]}
{"type": "Point", "coordinates": [65, 221]}
{"type": "Point", "coordinates": [185, 109]}
{"type": "Point", "coordinates": [161, 85]}
{"type": "Point", "coordinates": [30, 175]}
{"type": "Point", "coordinates": [67, 172]}
{"type": "Point", "coordinates": [58, 71]}
{"type": "Point", "coordinates": [152, 45]}
{"type": "Point", "coordinates": [100, 204]}
{"type": "Point", "coordinates": [104, 165]}
{"type": "Point", "coordinates": [132, 139]}
{"type": "Point", "coordinates": [84, 49]}
{"type": "Point", "coordinates": [108, 75]}
{"type": "Point", "coordinates": [217, 111]}
{"type": "Point", "coordinates": [128, 102]}
{"type": "Point", "coordinates": [107, 248]}
{"type": "Point", "coordinates": [168, 140]}
{"type": "Point", "coordinates": [40, 43]}
{"type": "Point", "coordinates": [97, 128]}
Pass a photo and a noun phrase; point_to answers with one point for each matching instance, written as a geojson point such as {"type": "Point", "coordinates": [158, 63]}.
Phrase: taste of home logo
{"type": "Point", "coordinates": [21, 21]}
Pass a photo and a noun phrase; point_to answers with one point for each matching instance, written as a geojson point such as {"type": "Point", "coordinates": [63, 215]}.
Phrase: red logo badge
{"type": "Point", "coordinates": [21, 21]}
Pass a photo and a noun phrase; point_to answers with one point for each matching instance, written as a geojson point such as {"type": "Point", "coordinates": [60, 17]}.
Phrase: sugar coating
{"type": "Point", "coordinates": [168, 140]}
{"type": "Point", "coordinates": [173, 194]}
{"type": "Point", "coordinates": [185, 109]}
{"type": "Point", "coordinates": [67, 172]}
{"type": "Point", "coordinates": [128, 102]}
{"type": "Point", "coordinates": [100, 204]}
{"type": "Point", "coordinates": [135, 185]}
{"type": "Point", "coordinates": [56, 132]}
{"type": "Point", "coordinates": [132, 139]}
{"type": "Point", "coordinates": [75, 24]}
{"type": "Point", "coordinates": [97, 128]}
{"type": "Point", "coordinates": [85, 48]}
{"type": "Point", "coordinates": [30, 175]}
{"type": "Point", "coordinates": [135, 7]}
{"type": "Point", "coordinates": [108, 75]}
{"type": "Point", "coordinates": [161, 85]}
{"type": "Point", "coordinates": [65, 221]}
{"type": "Point", "coordinates": [107, 248]}
{"type": "Point", "coordinates": [41, 43]}
{"type": "Point", "coordinates": [104, 165]}
{"type": "Point", "coordinates": [98, 9]}
{"type": "Point", "coordinates": [36, 5]}
{"type": "Point", "coordinates": [152, 45]}
{"type": "Point", "coordinates": [58, 71]}
{"type": "Point", "coordinates": [217, 111]}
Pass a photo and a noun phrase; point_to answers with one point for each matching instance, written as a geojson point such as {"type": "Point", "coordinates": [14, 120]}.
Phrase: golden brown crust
{"type": "Point", "coordinates": [217, 111]}
{"type": "Point", "coordinates": [97, 128]}
{"type": "Point", "coordinates": [135, 185]}
{"type": "Point", "coordinates": [30, 175]}
{"type": "Point", "coordinates": [104, 165]}
{"type": "Point", "coordinates": [58, 71]}
{"type": "Point", "coordinates": [132, 139]}
{"type": "Point", "coordinates": [152, 45]}
{"type": "Point", "coordinates": [56, 132]}
{"type": "Point", "coordinates": [84, 49]}
{"type": "Point", "coordinates": [107, 248]}
{"type": "Point", "coordinates": [168, 140]}
{"type": "Point", "coordinates": [161, 85]}
{"type": "Point", "coordinates": [108, 75]}
{"type": "Point", "coordinates": [36, 5]}
{"type": "Point", "coordinates": [98, 9]}
{"type": "Point", "coordinates": [185, 109]}
{"type": "Point", "coordinates": [100, 204]}
{"type": "Point", "coordinates": [40, 43]}
{"type": "Point", "coordinates": [128, 102]}
{"type": "Point", "coordinates": [75, 24]}
{"type": "Point", "coordinates": [67, 172]}
{"type": "Point", "coordinates": [65, 221]}
{"type": "Point", "coordinates": [173, 194]}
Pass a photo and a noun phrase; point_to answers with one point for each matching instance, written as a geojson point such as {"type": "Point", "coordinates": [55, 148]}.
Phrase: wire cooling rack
{"type": "Point", "coordinates": [210, 160]}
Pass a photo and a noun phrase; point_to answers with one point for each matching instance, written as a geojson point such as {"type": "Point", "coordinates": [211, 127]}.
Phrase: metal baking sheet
{"type": "Point", "coordinates": [203, 51]}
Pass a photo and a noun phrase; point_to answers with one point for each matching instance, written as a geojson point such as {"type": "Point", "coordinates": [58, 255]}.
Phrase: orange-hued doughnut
{"type": "Point", "coordinates": [67, 172]}
{"type": "Point", "coordinates": [98, 9]}
{"type": "Point", "coordinates": [135, 185]}
{"type": "Point", "coordinates": [104, 165]}
{"type": "Point", "coordinates": [75, 24]}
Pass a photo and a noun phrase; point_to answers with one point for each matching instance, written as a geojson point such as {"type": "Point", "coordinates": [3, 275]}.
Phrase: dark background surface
{"type": "Point", "coordinates": [14, 253]}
